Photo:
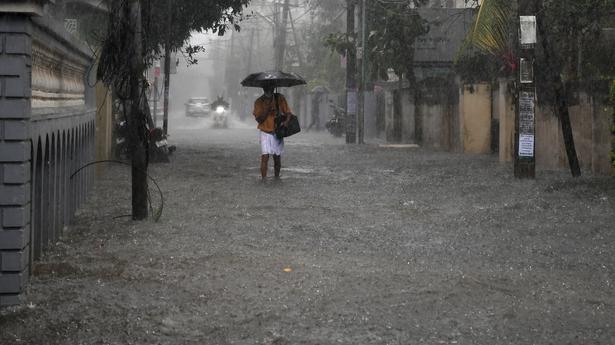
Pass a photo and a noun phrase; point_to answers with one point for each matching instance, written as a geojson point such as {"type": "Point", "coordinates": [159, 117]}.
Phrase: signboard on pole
{"type": "Point", "coordinates": [526, 123]}
{"type": "Point", "coordinates": [528, 30]}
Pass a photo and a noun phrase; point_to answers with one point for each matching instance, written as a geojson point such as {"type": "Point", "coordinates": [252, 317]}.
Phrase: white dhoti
{"type": "Point", "coordinates": [270, 144]}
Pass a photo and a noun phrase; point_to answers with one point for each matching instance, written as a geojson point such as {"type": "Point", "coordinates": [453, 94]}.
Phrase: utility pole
{"type": "Point", "coordinates": [351, 78]}
{"type": "Point", "coordinates": [136, 121]}
{"type": "Point", "coordinates": [297, 45]}
{"type": "Point", "coordinates": [362, 56]}
{"type": "Point", "coordinates": [525, 126]}
{"type": "Point", "coordinates": [167, 72]}
{"type": "Point", "coordinates": [250, 52]}
{"type": "Point", "coordinates": [281, 39]}
{"type": "Point", "coordinates": [156, 74]}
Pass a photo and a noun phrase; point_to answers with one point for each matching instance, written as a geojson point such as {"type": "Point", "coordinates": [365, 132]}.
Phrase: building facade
{"type": "Point", "coordinates": [47, 132]}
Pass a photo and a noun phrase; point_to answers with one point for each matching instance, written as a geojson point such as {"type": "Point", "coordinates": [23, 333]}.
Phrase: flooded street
{"type": "Point", "coordinates": [355, 245]}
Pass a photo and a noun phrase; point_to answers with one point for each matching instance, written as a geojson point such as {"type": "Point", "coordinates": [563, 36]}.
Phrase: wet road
{"type": "Point", "coordinates": [355, 245]}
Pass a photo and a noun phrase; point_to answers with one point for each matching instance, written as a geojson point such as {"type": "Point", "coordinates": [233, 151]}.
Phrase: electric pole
{"type": "Point", "coordinates": [525, 126]}
{"type": "Point", "coordinates": [167, 71]}
{"type": "Point", "coordinates": [351, 78]}
{"type": "Point", "coordinates": [362, 56]}
{"type": "Point", "coordinates": [280, 40]}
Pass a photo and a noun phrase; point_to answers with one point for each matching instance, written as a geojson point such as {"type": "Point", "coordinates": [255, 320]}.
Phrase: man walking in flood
{"type": "Point", "coordinates": [265, 110]}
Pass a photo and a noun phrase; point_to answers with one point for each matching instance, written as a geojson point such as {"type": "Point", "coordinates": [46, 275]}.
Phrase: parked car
{"type": "Point", "coordinates": [198, 106]}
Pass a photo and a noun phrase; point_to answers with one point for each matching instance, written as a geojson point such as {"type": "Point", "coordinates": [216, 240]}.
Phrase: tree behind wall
{"type": "Point", "coordinates": [132, 42]}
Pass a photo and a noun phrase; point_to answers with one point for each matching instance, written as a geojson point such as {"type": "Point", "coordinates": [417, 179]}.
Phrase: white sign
{"type": "Point", "coordinates": [528, 29]}
{"type": "Point", "coordinates": [526, 145]}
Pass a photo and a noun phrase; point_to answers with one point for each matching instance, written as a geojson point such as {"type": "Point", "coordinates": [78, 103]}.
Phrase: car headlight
{"type": "Point", "coordinates": [220, 109]}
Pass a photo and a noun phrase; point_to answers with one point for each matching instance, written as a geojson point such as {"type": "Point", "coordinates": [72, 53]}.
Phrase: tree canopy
{"type": "Point", "coordinates": [164, 22]}
{"type": "Point", "coordinates": [573, 30]}
{"type": "Point", "coordinates": [393, 28]}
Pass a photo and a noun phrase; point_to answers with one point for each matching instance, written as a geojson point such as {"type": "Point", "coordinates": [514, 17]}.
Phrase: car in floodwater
{"type": "Point", "coordinates": [198, 107]}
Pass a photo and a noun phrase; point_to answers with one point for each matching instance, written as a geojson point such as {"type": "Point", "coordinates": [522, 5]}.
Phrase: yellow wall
{"type": "Point", "coordinates": [507, 123]}
{"type": "Point", "coordinates": [104, 122]}
{"type": "Point", "coordinates": [590, 125]}
{"type": "Point", "coordinates": [475, 107]}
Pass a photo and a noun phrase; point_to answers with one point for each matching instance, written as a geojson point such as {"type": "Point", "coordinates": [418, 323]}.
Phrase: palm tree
{"type": "Point", "coordinates": [492, 27]}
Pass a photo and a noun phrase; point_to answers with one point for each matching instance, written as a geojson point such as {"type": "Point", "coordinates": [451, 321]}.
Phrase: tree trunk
{"type": "Point", "coordinates": [351, 75]}
{"type": "Point", "coordinates": [564, 118]}
{"type": "Point", "coordinates": [136, 123]}
{"type": "Point", "coordinates": [167, 73]}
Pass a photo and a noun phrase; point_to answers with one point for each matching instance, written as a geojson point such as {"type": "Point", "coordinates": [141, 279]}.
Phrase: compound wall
{"type": "Point", "coordinates": [47, 132]}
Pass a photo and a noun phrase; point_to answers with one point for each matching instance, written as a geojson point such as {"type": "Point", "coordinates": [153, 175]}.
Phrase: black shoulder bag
{"type": "Point", "coordinates": [291, 128]}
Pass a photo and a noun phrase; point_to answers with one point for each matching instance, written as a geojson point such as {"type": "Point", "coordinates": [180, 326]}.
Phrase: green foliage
{"type": "Point", "coordinates": [572, 43]}
{"type": "Point", "coordinates": [478, 67]}
{"type": "Point", "coordinates": [164, 23]}
{"type": "Point", "coordinates": [492, 26]}
{"type": "Point", "coordinates": [393, 28]}
{"type": "Point", "coordinates": [321, 65]}
{"type": "Point", "coordinates": [184, 17]}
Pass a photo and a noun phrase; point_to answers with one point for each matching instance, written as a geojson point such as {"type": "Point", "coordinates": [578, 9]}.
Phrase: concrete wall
{"type": "Point", "coordinates": [408, 116]}
{"type": "Point", "coordinates": [590, 124]}
{"type": "Point", "coordinates": [392, 121]}
{"type": "Point", "coordinates": [436, 125]}
{"type": "Point", "coordinates": [437, 111]}
{"type": "Point", "coordinates": [427, 116]}
{"type": "Point", "coordinates": [435, 119]}
{"type": "Point", "coordinates": [601, 123]}
{"type": "Point", "coordinates": [15, 154]}
{"type": "Point", "coordinates": [47, 132]}
{"type": "Point", "coordinates": [475, 118]}
{"type": "Point", "coordinates": [506, 110]}
{"type": "Point", "coordinates": [104, 122]}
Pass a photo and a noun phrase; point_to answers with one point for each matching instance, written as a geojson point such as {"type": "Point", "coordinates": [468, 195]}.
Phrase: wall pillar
{"type": "Point", "coordinates": [475, 109]}
{"type": "Point", "coordinates": [104, 123]}
{"type": "Point", "coordinates": [507, 122]}
{"type": "Point", "coordinates": [15, 154]}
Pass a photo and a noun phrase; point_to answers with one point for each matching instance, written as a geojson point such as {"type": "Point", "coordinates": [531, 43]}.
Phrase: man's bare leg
{"type": "Point", "coordinates": [277, 165]}
{"type": "Point", "coordinates": [264, 166]}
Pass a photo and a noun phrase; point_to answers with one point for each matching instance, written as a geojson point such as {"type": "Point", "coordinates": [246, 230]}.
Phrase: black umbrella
{"type": "Point", "coordinates": [275, 78]}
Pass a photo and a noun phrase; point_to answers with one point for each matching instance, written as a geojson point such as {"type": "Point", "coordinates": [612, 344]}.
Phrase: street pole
{"type": "Point", "coordinates": [281, 39]}
{"type": "Point", "coordinates": [351, 78]}
{"type": "Point", "coordinates": [362, 63]}
{"type": "Point", "coordinates": [525, 124]}
{"type": "Point", "coordinates": [167, 73]}
{"type": "Point", "coordinates": [155, 117]}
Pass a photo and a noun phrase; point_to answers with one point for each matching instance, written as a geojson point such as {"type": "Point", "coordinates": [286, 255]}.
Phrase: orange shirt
{"type": "Point", "coordinates": [263, 104]}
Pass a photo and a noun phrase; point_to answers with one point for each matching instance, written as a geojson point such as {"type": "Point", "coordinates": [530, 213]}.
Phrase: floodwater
{"type": "Point", "coordinates": [354, 245]}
